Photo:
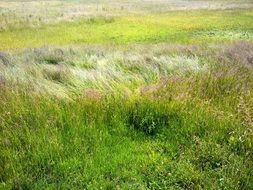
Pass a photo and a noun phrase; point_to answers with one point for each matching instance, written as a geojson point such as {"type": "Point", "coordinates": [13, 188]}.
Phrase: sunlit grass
{"type": "Point", "coordinates": [175, 27]}
{"type": "Point", "coordinates": [188, 127]}
{"type": "Point", "coordinates": [144, 99]}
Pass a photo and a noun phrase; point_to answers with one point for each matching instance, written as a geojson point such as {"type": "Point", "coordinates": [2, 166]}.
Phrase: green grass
{"type": "Point", "coordinates": [189, 27]}
{"type": "Point", "coordinates": [154, 100]}
{"type": "Point", "coordinates": [192, 130]}
{"type": "Point", "coordinates": [87, 144]}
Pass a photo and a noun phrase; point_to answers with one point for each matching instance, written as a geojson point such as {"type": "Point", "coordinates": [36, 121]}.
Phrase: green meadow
{"type": "Point", "coordinates": [184, 27]}
{"type": "Point", "coordinates": [126, 95]}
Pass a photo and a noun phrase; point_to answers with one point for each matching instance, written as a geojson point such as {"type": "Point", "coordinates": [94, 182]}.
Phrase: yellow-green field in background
{"type": "Point", "coordinates": [185, 27]}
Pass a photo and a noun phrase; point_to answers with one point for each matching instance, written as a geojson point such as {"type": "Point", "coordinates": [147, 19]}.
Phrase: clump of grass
{"type": "Point", "coordinates": [238, 52]}
{"type": "Point", "coordinates": [148, 117]}
{"type": "Point", "coordinates": [59, 73]}
{"type": "Point", "coordinates": [47, 57]}
{"type": "Point", "coordinates": [3, 59]}
{"type": "Point", "coordinates": [101, 20]}
{"type": "Point", "coordinates": [52, 60]}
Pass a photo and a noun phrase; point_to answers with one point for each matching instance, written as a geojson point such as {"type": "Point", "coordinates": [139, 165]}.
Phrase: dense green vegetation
{"type": "Point", "coordinates": [146, 99]}
{"type": "Point", "coordinates": [193, 129]}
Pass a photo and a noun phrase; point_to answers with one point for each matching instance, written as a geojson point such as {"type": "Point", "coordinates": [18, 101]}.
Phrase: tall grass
{"type": "Point", "coordinates": [186, 123]}
{"type": "Point", "coordinates": [75, 69]}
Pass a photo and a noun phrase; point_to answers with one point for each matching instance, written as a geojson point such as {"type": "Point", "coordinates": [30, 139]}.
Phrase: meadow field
{"type": "Point", "coordinates": [126, 94]}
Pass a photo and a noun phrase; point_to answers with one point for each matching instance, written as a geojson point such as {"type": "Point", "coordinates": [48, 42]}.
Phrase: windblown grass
{"type": "Point", "coordinates": [137, 107]}
{"type": "Point", "coordinates": [181, 127]}
{"type": "Point", "coordinates": [74, 70]}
